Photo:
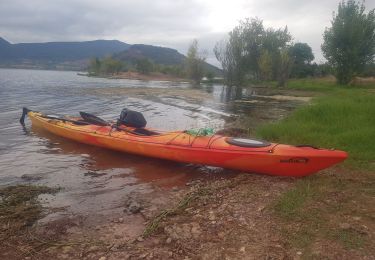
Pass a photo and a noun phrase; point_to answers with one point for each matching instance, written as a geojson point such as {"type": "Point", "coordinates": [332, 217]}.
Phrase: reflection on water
{"type": "Point", "coordinates": [95, 179]}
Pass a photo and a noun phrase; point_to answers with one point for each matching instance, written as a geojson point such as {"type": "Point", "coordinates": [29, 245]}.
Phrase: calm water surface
{"type": "Point", "coordinates": [92, 178]}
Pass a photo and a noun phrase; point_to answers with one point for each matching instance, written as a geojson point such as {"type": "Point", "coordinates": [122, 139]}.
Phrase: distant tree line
{"type": "Point", "coordinates": [255, 53]}
{"type": "Point", "coordinates": [109, 66]}
{"type": "Point", "coordinates": [193, 68]}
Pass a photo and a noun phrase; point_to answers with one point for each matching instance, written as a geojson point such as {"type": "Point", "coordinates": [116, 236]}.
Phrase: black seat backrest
{"type": "Point", "coordinates": [132, 118]}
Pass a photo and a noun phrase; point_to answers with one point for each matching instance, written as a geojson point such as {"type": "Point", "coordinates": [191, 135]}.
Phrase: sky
{"type": "Point", "coordinates": [168, 23]}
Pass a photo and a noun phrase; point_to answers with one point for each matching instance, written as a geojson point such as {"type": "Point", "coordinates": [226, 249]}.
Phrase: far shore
{"type": "Point", "coordinates": [157, 76]}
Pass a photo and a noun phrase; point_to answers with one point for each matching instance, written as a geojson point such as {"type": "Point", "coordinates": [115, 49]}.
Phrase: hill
{"type": "Point", "coordinates": [76, 55]}
{"type": "Point", "coordinates": [56, 55]}
{"type": "Point", "coordinates": [158, 55]}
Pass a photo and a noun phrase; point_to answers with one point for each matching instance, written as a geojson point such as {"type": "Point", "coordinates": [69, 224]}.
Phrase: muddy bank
{"type": "Point", "coordinates": [205, 220]}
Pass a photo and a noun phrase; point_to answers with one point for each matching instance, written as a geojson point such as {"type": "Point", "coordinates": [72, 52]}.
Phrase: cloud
{"type": "Point", "coordinates": [172, 23]}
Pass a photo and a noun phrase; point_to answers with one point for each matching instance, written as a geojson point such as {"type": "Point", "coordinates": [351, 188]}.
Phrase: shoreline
{"type": "Point", "coordinates": [248, 215]}
{"type": "Point", "coordinates": [154, 76]}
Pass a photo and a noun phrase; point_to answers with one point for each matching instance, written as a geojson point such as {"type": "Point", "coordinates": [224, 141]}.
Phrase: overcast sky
{"type": "Point", "coordinates": [170, 23]}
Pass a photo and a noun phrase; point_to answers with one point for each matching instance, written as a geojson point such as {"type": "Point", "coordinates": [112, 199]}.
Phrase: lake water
{"type": "Point", "coordinates": [92, 178]}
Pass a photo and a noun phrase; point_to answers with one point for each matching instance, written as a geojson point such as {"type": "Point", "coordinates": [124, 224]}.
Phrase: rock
{"type": "Point", "coordinates": [121, 220]}
{"type": "Point", "coordinates": [195, 230]}
{"type": "Point", "coordinates": [211, 216]}
{"type": "Point", "coordinates": [175, 188]}
{"type": "Point", "coordinates": [118, 236]}
{"type": "Point", "coordinates": [242, 249]}
{"type": "Point", "coordinates": [169, 240]}
{"type": "Point", "coordinates": [134, 207]}
{"type": "Point", "coordinates": [299, 253]}
{"type": "Point", "coordinates": [103, 258]}
{"type": "Point", "coordinates": [344, 226]}
{"type": "Point", "coordinates": [140, 239]}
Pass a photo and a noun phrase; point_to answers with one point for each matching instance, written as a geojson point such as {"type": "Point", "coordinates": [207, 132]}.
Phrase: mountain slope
{"type": "Point", "coordinates": [76, 55]}
{"type": "Point", "coordinates": [59, 51]}
{"type": "Point", "coordinates": [159, 55]}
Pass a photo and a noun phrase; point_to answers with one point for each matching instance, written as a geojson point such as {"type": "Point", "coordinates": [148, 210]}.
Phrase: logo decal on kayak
{"type": "Point", "coordinates": [295, 160]}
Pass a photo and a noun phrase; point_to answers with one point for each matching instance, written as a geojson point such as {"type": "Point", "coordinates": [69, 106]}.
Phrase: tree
{"type": "Point", "coordinates": [144, 65]}
{"type": "Point", "coordinates": [252, 52]}
{"type": "Point", "coordinates": [349, 44]}
{"type": "Point", "coordinates": [109, 66]}
{"type": "Point", "coordinates": [302, 57]}
{"type": "Point", "coordinates": [265, 65]}
{"type": "Point", "coordinates": [106, 66]}
{"type": "Point", "coordinates": [94, 66]}
{"type": "Point", "coordinates": [195, 62]}
{"type": "Point", "coordinates": [285, 64]}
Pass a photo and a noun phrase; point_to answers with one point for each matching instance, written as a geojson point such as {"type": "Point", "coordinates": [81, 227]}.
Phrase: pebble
{"type": "Point", "coordinates": [134, 207]}
{"type": "Point", "coordinates": [344, 226]}
{"type": "Point", "coordinates": [169, 240]}
{"type": "Point", "coordinates": [211, 216]}
{"type": "Point", "coordinates": [121, 220]}
{"type": "Point", "coordinates": [299, 253]}
{"type": "Point", "coordinates": [242, 249]}
{"type": "Point", "coordinates": [103, 258]}
{"type": "Point", "coordinates": [140, 239]}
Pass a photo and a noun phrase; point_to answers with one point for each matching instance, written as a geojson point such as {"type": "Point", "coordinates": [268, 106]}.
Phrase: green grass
{"type": "Point", "coordinates": [341, 117]}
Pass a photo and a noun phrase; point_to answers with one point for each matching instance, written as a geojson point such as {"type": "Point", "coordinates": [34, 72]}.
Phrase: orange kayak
{"type": "Point", "coordinates": [215, 150]}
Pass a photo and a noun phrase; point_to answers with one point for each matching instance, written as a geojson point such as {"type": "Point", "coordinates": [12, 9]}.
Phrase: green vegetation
{"type": "Point", "coordinates": [335, 206]}
{"type": "Point", "coordinates": [195, 63]}
{"type": "Point", "coordinates": [19, 206]}
{"type": "Point", "coordinates": [343, 119]}
{"type": "Point", "coordinates": [349, 44]}
{"type": "Point", "coordinates": [106, 66]}
{"type": "Point", "coordinates": [144, 66]}
{"type": "Point", "coordinates": [254, 52]}
{"type": "Point", "coordinates": [302, 55]}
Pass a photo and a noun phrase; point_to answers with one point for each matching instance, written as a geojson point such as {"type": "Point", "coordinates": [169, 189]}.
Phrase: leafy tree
{"type": "Point", "coordinates": [349, 44]}
{"type": "Point", "coordinates": [285, 64]}
{"type": "Point", "coordinates": [302, 57]}
{"type": "Point", "coordinates": [144, 66]}
{"type": "Point", "coordinates": [253, 52]}
{"type": "Point", "coordinates": [275, 41]}
{"type": "Point", "coordinates": [265, 65]}
{"type": "Point", "coordinates": [195, 62]}
{"type": "Point", "coordinates": [239, 54]}
{"type": "Point", "coordinates": [109, 66]}
{"type": "Point", "coordinates": [94, 66]}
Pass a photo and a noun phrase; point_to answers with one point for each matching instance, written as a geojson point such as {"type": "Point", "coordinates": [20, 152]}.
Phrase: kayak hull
{"type": "Point", "coordinates": [275, 159]}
